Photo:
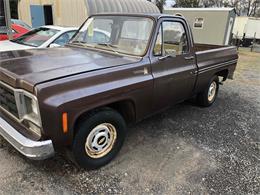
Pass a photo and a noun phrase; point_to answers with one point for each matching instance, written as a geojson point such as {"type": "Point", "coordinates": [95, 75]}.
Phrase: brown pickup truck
{"type": "Point", "coordinates": [118, 69]}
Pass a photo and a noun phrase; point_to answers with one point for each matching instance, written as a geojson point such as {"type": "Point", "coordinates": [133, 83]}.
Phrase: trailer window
{"type": "Point", "coordinates": [198, 23]}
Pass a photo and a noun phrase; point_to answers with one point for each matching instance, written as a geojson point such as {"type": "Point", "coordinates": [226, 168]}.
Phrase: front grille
{"type": "Point", "coordinates": [7, 100]}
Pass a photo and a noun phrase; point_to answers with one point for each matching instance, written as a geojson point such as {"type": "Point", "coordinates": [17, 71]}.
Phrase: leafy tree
{"type": "Point", "coordinates": [245, 7]}
{"type": "Point", "coordinates": [186, 3]}
{"type": "Point", "coordinates": [252, 7]}
{"type": "Point", "coordinates": [242, 7]}
{"type": "Point", "coordinates": [159, 3]}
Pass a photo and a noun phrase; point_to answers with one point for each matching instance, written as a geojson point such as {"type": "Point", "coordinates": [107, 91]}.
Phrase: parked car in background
{"type": "Point", "coordinates": [99, 36]}
{"type": "Point", "coordinates": [42, 37]}
{"type": "Point", "coordinates": [17, 31]}
{"type": "Point", "coordinates": [21, 23]}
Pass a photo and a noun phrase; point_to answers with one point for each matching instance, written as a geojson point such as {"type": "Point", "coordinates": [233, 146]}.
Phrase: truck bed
{"type": "Point", "coordinates": [212, 59]}
{"type": "Point", "coordinates": [203, 47]}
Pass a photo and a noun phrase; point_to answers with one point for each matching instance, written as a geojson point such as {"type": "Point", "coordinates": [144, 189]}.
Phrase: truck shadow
{"type": "Point", "coordinates": [224, 135]}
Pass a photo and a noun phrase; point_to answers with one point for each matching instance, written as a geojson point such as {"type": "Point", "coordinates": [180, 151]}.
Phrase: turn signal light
{"type": "Point", "coordinates": [65, 122]}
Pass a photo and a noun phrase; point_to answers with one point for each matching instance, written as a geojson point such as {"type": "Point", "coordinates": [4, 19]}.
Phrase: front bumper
{"type": "Point", "coordinates": [37, 150]}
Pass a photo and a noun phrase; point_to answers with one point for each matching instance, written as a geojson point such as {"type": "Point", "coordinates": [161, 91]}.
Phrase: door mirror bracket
{"type": "Point", "coordinates": [173, 55]}
{"type": "Point", "coordinates": [169, 54]}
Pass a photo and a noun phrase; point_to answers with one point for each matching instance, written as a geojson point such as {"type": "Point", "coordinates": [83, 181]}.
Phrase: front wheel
{"type": "Point", "coordinates": [208, 96]}
{"type": "Point", "coordinates": [99, 138]}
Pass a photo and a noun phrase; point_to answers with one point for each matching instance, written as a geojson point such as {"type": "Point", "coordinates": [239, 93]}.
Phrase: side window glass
{"type": "Point", "coordinates": [64, 39]}
{"type": "Point", "coordinates": [174, 38]}
{"type": "Point", "coordinates": [71, 33]}
{"type": "Point", "coordinates": [157, 51]}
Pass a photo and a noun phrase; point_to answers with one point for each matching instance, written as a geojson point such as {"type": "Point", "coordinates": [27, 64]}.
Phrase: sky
{"type": "Point", "coordinates": [169, 3]}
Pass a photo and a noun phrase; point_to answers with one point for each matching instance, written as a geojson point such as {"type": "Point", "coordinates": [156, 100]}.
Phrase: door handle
{"type": "Point", "coordinates": [189, 58]}
{"type": "Point", "coordinates": [164, 57]}
{"type": "Point", "coordinates": [144, 71]}
{"type": "Point", "coordinates": [194, 72]}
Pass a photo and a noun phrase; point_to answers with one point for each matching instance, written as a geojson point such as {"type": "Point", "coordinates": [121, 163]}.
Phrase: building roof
{"type": "Point", "coordinates": [200, 9]}
{"type": "Point", "coordinates": [120, 6]}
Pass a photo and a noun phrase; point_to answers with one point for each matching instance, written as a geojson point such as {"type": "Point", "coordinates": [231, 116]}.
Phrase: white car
{"type": "Point", "coordinates": [42, 37]}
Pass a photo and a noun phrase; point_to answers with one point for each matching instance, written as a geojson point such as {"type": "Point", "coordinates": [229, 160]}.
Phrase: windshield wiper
{"type": "Point", "coordinates": [85, 44]}
{"type": "Point", "coordinates": [81, 43]}
{"type": "Point", "coordinates": [76, 43]}
{"type": "Point", "coordinates": [109, 46]}
{"type": "Point", "coordinates": [22, 43]}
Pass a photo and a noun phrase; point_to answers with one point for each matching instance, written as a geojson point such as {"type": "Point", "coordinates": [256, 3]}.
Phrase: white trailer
{"type": "Point", "coordinates": [209, 25]}
{"type": "Point", "coordinates": [247, 30]}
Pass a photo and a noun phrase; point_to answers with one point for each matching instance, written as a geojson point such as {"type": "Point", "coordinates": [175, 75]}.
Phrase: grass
{"type": "Point", "coordinates": [248, 67]}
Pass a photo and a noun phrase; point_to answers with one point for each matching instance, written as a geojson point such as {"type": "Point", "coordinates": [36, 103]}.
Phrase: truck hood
{"type": "Point", "coordinates": [26, 68]}
{"type": "Point", "coordinates": [11, 46]}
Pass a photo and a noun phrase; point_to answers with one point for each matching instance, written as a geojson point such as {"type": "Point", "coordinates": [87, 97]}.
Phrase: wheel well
{"type": "Point", "coordinates": [126, 108]}
{"type": "Point", "coordinates": [223, 73]}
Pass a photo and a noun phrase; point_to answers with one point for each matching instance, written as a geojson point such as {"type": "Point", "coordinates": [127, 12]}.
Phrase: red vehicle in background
{"type": "Point", "coordinates": [17, 31]}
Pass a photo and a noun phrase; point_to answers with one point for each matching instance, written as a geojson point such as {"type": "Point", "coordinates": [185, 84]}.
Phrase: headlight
{"type": "Point", "coordinates": [26, 108]}
{"type": "Point", "coordinates": [31, 110]}
{"type": "Point", "coordinates": [29, 113]}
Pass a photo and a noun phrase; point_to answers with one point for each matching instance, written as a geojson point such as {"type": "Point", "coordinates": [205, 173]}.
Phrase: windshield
{"type": "Point", "coordinates": [120, 34]}
{"type": "Point", "coordinates": [21, 23]}
{"type": "Point", "coordinates": [36, 37]}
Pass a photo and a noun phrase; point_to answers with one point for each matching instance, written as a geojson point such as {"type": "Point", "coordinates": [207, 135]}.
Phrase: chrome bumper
{"type": "Point", "coordinates": [37, 150]}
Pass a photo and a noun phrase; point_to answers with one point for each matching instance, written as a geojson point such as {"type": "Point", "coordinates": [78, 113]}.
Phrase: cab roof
{"type": "Point", "coordinates": [156, 16]}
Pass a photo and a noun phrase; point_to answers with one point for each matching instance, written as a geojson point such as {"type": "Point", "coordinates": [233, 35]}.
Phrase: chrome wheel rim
{"type": "Point", "coordinates": [100, 140]}
{"type": "Point", "coordinates": [212, 91]}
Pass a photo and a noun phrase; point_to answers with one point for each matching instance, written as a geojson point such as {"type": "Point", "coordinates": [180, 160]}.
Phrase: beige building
{"type": "Point", "coordinates": [209, 25]}
{"type": "Point", "coordinates": [56, 12]}
{"type": "Point", "coordinates": [75, 12]}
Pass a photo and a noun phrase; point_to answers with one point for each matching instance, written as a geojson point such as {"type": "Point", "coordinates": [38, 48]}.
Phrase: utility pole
{"type": "Point", "coordinates": [8, 18]}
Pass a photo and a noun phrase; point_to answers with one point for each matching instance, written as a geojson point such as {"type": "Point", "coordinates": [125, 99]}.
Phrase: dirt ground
{"type": "Point", "coordinates": [185, 150]}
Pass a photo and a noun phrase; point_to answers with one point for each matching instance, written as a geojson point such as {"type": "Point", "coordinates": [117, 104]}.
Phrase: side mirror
{"type": "Point", "coordinates": [53, 45]}
{"type": "Point", "coordinates": [169, 53]}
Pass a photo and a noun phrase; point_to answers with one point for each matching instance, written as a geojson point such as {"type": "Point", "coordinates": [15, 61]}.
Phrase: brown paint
{"type": "Point", "coordinates": [77, 80]}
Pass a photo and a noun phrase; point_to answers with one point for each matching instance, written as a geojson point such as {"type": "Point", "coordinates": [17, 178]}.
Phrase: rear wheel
{"type": "Point", "coordinates": [209, 95]}
{"type": "Point", "coordinates": [99, 138]}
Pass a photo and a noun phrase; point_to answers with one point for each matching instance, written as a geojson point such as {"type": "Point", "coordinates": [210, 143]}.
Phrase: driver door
{"type": "Point", "coordinates": [173, 64]}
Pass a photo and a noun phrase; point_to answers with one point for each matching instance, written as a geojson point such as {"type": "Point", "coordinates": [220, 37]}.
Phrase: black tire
{"type": "Point", "coordinates": [203, 98]}
{"type": "Point", "coordinates": [106, 115]}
